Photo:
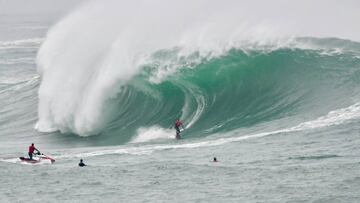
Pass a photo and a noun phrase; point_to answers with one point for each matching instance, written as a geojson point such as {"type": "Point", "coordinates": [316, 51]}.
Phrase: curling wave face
{"type": "Point", "coordinates": [128, 78]}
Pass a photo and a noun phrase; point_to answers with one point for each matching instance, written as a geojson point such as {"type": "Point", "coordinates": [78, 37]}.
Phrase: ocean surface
{"type": "Point", "coordinates": [280, 114]}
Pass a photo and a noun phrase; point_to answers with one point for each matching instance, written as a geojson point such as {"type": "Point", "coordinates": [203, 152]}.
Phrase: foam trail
{"type": "Point", "coordinates": [26, 60]}
{"type": "Point", "coordinates": [18, 161]}
{"type": "Point", "coordinates": [153, 133]}
{"type": "Point", "coordinates": [200, 103]}
{"type": "Point", "coordinates": [335, 117]}
{"type": "Point", "coordinates": [23, 43]}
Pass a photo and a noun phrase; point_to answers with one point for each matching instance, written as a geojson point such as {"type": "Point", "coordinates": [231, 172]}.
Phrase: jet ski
{"type": "Point", "coordinates": [38, 158]}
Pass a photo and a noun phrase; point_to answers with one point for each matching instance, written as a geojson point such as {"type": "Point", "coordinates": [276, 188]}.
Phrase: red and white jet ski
{"type": "Point", "coordinates": [38, 158]}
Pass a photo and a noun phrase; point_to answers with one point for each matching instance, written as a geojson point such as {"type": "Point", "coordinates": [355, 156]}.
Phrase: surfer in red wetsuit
{"type": "Point", "coordinates": [178, 124]}
{"type": "Point", "coordinates": [31, 150]}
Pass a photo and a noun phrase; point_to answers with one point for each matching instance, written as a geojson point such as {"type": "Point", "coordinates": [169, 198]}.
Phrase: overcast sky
{"type": "Point", "coordinates": [40, 7]}
{"type": "Point", "coordinates": [338, 18]}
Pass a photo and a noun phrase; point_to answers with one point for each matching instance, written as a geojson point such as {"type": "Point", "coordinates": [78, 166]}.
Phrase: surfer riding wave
{"type": "Point", "coordinates": [178, 124]}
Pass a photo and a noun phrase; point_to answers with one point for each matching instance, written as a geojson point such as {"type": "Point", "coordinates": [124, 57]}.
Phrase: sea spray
{"type": "Point", "coordinates": [215, 68]}
{"type": "Point", "coordinates": [86, 57]}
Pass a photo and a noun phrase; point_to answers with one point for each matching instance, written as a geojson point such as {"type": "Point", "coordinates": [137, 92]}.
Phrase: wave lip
{"type": "Point", "coordinates": [81, 73]}
{"type": "Point", "coordinates": [123, 71]}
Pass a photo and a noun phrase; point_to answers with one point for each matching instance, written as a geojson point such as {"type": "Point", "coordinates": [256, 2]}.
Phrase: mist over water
{"type": "Point", "coordinates": [96, 59]}
{"type": "Point", "coordinates": [268, 88]}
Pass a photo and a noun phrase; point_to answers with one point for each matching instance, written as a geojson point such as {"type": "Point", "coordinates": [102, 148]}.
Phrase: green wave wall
{"type": "Point", "coordinates": [240, 90]}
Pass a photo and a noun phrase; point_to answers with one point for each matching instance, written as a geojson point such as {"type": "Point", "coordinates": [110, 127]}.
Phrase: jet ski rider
{"type": "Point", "coordinates": [31, 150]}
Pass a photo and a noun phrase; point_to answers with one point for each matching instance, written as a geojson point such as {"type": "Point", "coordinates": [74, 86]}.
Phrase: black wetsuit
{"type": "Point", "coordinates": [177, 128]}
{"type": "Point", "coordinates": [81, 164]}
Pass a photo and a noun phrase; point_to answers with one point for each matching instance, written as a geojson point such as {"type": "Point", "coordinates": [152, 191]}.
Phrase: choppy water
{"type": "Point", "coordinates": [280, 115]}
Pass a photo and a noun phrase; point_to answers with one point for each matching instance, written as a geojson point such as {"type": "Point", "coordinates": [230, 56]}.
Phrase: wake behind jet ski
{"type": "Point", "coordinates": [36, 157]}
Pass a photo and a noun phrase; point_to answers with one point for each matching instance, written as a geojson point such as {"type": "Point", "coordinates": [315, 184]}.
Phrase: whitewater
{"type": "Point", "coordinates": [276, 102]}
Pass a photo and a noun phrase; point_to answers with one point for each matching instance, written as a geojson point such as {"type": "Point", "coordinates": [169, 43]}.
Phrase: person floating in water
{"type": "Point", "coordinates": [178, 124]}
{"type": "Point", "coordinates": [215, 160]}
{"type": "Point", "coordinates": [81, 164]}
{"type": "Point", "coordinates": [31, 150]}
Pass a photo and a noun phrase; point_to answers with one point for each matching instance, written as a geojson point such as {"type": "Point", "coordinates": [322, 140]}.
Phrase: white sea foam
{"type": "Point", "coordinates": [98, 48]}
{"type": "Point", "coordinates": [13, 61]}
{"type": "Point", "coordinates": [23, 43]}
{"type": "Point", "coordinates": [11, 160]}
{"type": "Point", "coordinates": [18, 161]}
{"type": "Point", "coordinates": [335, 117]}
{"type": "Point", "coordinates": [80, 72]}
{"type": "Point", "coordinates": [19, 81]}
{"type": "Point", "coordinates": [153, 133]}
